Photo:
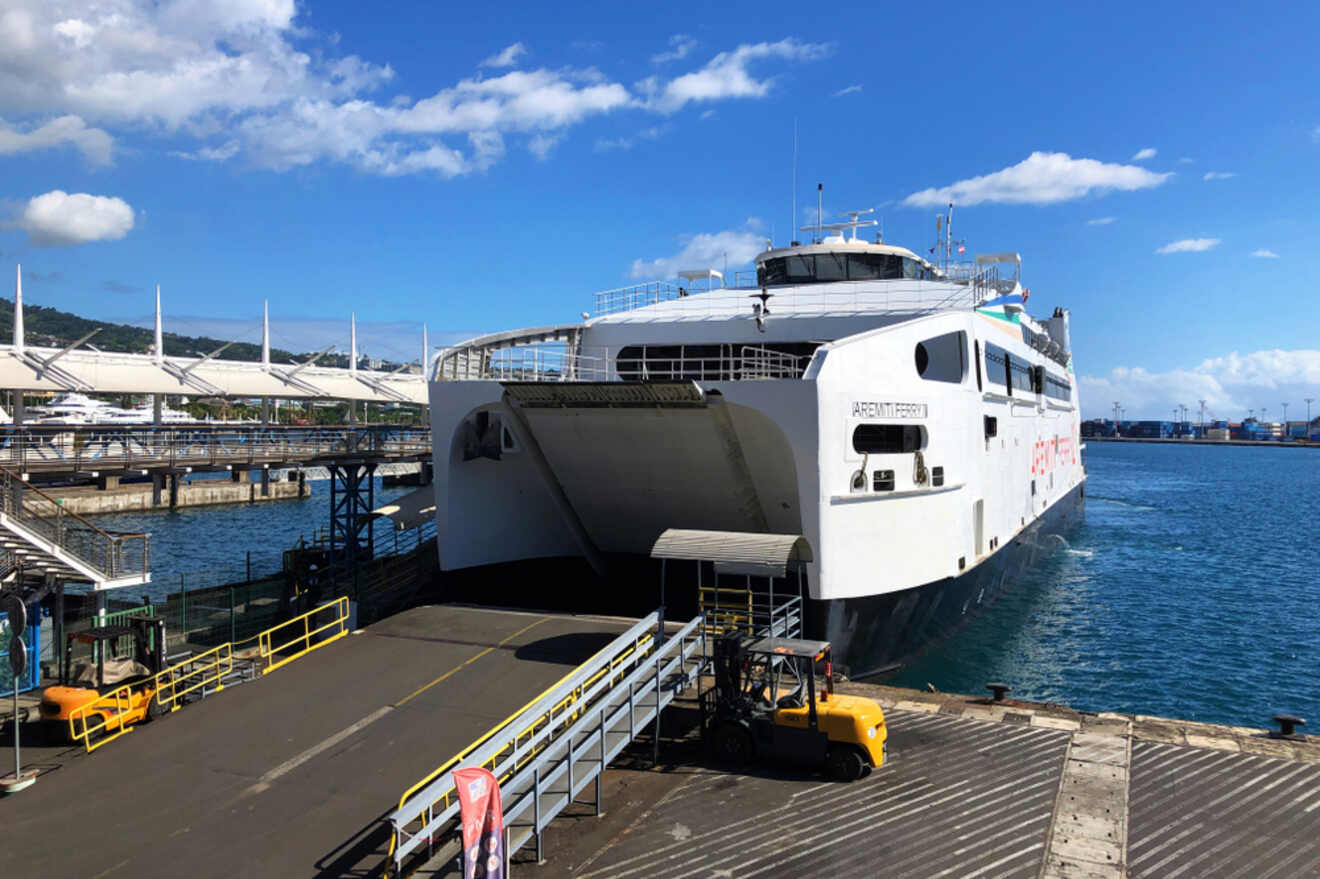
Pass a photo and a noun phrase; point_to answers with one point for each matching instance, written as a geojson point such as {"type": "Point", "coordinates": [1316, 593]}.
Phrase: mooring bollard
{"type": "Point", "coordinates": [998, 690]}
{"type": "Point", "coordinates": [1287, 723]}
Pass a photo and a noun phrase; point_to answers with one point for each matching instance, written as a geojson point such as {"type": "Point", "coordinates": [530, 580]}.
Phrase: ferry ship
{"type": "Point", "coordinates": [911, 419]}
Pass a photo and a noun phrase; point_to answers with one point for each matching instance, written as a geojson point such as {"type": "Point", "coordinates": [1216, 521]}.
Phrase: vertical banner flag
{"type": "Point", "coordinates": [483, 824]}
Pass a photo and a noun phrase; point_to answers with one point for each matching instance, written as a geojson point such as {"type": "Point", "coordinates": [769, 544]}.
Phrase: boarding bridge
{"type": "Point", "coordinates": [39, 535]}
{"type": "Point", "coordinates": [554, 750]}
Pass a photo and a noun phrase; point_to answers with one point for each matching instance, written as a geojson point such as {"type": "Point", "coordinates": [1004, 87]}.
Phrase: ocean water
{"type": "Point", "coordinates": [209, 546]}
{"type": "Point", "coordinates": [1191, 591]}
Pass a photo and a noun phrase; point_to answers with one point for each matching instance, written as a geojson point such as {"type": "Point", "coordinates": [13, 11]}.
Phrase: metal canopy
{"type": "Point", "coordinates": [735, 552]}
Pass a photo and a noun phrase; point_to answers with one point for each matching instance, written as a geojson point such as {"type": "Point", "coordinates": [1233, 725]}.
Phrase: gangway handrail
{"type": "Point", "coordinates": [417, 821]}
{"type": "Point", "coordinates": [573, 690]}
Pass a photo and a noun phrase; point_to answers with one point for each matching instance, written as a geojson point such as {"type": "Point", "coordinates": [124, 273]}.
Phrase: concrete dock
{"type": "Point", "coordinates": [289, 775]}
{"type": "Point", "coordinates": [970, 789]}
{"type": "Point", "coordinates": [89, 500]}
{"type": "Point", "coordinates": [294, 773]}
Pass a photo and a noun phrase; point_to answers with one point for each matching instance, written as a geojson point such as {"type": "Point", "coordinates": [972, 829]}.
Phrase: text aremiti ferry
{"type": "Point", "coordinates": [911, 420]}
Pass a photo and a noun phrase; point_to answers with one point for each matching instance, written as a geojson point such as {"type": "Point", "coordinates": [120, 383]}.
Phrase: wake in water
{"type": "Point", "coordinates": [1119, 502]}
{"type": "Point", "coordinates": [1068, 547]}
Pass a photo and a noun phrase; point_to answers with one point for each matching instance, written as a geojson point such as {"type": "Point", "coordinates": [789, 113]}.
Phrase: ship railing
{"type": "Point", "coordinates": [556, 362]}
{"type": "Point", "coordinates": [910, 296]}
{"type": "Point", "coordinates": [636, 296]}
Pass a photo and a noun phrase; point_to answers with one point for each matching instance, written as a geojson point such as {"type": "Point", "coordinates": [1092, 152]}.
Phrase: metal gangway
{"type": "Point", "coordinates": [554, 749]}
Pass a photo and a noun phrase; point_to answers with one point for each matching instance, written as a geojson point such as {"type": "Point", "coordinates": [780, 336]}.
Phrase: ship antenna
{"type": "Point", "coordinates": [793, 225]}
{"type": "Point", "coordinates": [820, 209]}
{"type": "Point", "coordinates": [948, 238]}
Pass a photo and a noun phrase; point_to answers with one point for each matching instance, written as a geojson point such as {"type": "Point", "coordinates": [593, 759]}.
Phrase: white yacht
{"type": "Point", "coordinates": [76, 408]}
{"type": "Point", "coordinates": [911, 420]}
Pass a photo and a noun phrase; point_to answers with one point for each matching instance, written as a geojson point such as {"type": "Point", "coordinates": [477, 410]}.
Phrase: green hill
{"type": "Point", "coordinates": [54, 328]}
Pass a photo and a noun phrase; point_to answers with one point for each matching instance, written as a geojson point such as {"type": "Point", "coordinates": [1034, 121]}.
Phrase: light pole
{"type": "Point", "coordinates": [1308, 415]}
{"type": "Point", "coordinates": [1285, 420]}
{"type": "Point", "coordinates": [1202, 419]}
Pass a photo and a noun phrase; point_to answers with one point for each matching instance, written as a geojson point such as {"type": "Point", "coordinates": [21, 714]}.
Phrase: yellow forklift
{"type": "Point", "coordinates": [765, 706]}
{"type": "Point", "coordinates": [99, 661]}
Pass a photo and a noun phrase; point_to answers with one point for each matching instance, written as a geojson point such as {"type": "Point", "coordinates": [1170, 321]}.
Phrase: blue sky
{"type": "Point", "coordinates": [479, 169]}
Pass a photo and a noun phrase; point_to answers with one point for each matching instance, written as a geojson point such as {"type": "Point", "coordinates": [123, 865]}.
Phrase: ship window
{"type": "Point", "coordinates": [831, 267]}
{"type": "Point", "coordinates": [1057, 387]}
{"type": "Point", "coordinates": [996, 364]}
{"type": "Point", "coordinates": [882, 439]}
{"type": "Point", "coordinates": [800, 269]}
{"type": "Point", "coordinates": [943, 358]}
{"type": "Point", "coordinates": [1020, 375]}
{"type": "Point", "coordinates": [826, 267]}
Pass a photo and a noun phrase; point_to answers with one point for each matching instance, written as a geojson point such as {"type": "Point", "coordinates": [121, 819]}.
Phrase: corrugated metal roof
{"type": "Point", "coordinates": [740, 548]}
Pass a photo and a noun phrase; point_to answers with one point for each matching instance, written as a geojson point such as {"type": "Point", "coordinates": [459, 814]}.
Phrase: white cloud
{"type": "Point", "coordinates": [506, 57]}
{"type": "Point", "coordinates": [1144, 154]}
{"type": "Point", "coordinates": [1265, 254]}
{"type": "Point", "coordinates": [606, 144]}
{"type": "Point", "coordinates": [1189, 245]}
{"type": "Point", "coordinates": [1101, 221]}
{"type": "Point", "coordinates": [58, 218]}
{"type": "Point", "coordinates": [726, 75]}
{"type": "Point", "coordinates": [1218, 175]}
{"type": "Point", "coordinates": [706, 251]}
{"type": "Point", "coordinates": [1230, 385]}
{"type": "Point", "coordinates": [210, 154]}
{"type": "Point", "coordinates": [1315, 132]}
{"type": "Point", "coordinates": [1185, 160]}
{"type": "Point", "coordinates": [1041, 178]}
{"type": "Point", "coordinates": [849, 90]}
{"type": "Point", "coordinates": [541, 144]}
{"type": "Point", "coordinates": [680, 46]}
{"type": "Point", "coordinates": [93, 143]}
{"type": "Point", "coordinates": [282, 95]}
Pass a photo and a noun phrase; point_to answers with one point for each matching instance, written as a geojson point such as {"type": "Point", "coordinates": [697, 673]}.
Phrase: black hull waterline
{"type": "Point", "coordinates": [875, 635]}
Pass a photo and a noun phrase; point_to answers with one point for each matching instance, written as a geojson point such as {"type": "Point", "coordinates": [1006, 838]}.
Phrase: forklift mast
{"type": "Point", "coordinates": [149, 642]}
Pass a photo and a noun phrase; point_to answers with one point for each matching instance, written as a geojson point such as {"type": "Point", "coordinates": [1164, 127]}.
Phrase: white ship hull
{"type": "Point", "coordinates": [905, 540]}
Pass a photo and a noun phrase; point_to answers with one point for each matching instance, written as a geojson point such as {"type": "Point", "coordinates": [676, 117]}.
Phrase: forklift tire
{"type": "Point", "coordinates": [733, 746]}
{"type": "Point", "coordinates": [154, 709]}
{"type": "Point", "coordinates": [845, 763]}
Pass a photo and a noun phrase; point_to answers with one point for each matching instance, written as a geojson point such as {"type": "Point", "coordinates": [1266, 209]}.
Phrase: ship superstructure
{"type": "Point", "coordinates": [912, 420]}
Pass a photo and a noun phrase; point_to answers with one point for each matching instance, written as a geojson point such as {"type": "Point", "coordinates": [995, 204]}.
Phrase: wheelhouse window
{"type": "Point", "coordinates": [827, 267]}
{"type": "Point", "coordinates": [942, 358]}
{"type": "Point", "coordinates": [888, 439]}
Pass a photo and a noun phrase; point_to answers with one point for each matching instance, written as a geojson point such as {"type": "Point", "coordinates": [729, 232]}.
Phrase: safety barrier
{"type": "Point", "coordinates": [306, 642]}
{"type": "Point", "coordinates": [513, 744]}
{"type": "Point", "coordinates": [117, 711]}
{"type": "Point", "coordinates": [728, 609]}
{"type": "Point", "coordinates": [113, 714]}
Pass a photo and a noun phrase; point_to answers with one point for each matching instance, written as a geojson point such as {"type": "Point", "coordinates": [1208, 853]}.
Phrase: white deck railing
{"type": "Point", "coordinates": [554, 362]}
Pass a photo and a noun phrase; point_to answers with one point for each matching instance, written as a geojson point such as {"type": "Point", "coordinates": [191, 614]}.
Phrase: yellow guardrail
{"type": "Point", "coordinates": [113, 714]}
{"type": "Point", "coordinates": [124, 706]}
{"type": "Point", "coordinates": [302, 643]}
{"type": "Point", "coordinates": [725, 616]}
{"type": "Point", "coordinates": [555, 712]}
{"type": "Point", "coordinates": [100, 716]}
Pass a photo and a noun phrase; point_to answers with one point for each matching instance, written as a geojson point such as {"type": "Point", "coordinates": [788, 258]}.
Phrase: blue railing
{"type": "Point", "coordinates": [30, 679]}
